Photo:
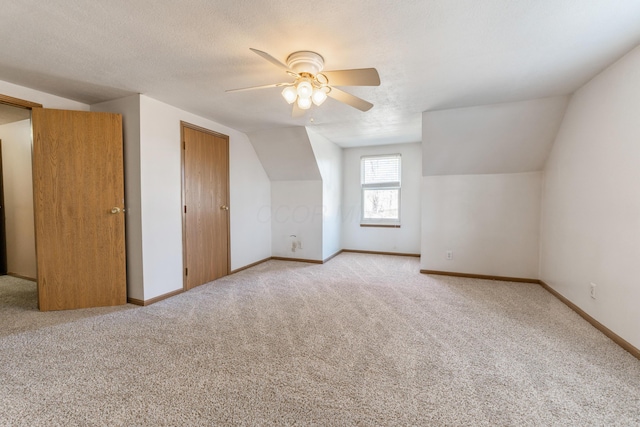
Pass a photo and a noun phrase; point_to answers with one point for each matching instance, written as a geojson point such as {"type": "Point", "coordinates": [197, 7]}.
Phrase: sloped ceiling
{"type": "Point", "coordinates": [286, 154]}
{"type": "Point", "coordinates": [489, 139]}
{"type": "Point", "coordinates": [431, 54]}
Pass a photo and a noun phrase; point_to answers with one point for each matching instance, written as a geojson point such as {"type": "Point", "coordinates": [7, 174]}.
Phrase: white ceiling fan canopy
{"type": "Point", "coordinates": [305, 61]}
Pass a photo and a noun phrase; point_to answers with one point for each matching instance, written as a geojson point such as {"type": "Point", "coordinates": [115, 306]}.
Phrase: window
{"type": "Point", "coordinates": [380, 180]}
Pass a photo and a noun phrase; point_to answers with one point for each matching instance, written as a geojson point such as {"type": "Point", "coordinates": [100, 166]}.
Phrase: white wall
{"type": "Point", "coordinates": [296, 191]}
{"type": "Point", "coordinates": [329, 159]}
{"type": "Point", "coordinates": [250, 203]}
{"type": "Point", "coordinates": [161, 196]}
{"type": "Point", "coordinates": [18, 198]}
{"type": "Point", "coordinates": [591, 200]}
{"type": "Point", "coordinates": [297, 211]}
{"type": "Point", "coordinates": [482, 185]}
{"type": "Point", "coordinates": [490, 222]}
{"type": "Point", "coordinates": [129, 107]}
{"type": "Point", "coordinates": [405, 239]}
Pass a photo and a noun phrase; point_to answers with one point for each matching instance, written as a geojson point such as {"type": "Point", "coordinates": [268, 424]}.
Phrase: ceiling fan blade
{"type": "Point", "coordinates": [258, 87]}
{"type": "Point", "coordinates": [271, 59]}
{"type": "Point", "coordinates": [349, 99]}
{"type": "Point", "coordinates": [297, 111]}
{"type": "Point", "coordinates": [356, 77]}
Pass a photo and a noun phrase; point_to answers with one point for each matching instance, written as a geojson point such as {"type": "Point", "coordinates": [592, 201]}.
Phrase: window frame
{"type": "Point", "coordinates": [391, 185]}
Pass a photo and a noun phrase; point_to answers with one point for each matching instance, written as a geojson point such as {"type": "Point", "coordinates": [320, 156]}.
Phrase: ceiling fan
{"type": "Point", "coordinates": [312, 85]}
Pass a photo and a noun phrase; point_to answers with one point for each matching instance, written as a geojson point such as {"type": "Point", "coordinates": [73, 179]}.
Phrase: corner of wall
{"type": "Point", "coordinates": [589, 200]}
{"type": "Point", "coordinates": [129, 108]}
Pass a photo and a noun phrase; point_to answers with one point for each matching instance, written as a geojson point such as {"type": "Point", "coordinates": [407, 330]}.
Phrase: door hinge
{"type": "Point", "coordinates": [185, 208]}
{"type": "Point", "coordinates": [186, 271]}
{"type": "Point", "coordinates": [184, 145]}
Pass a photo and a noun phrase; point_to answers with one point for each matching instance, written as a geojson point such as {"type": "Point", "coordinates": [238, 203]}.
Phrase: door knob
{"type": "Point", "coordinates": [115, 210]}
{"type": "Point", "coordinates": [224, 207]}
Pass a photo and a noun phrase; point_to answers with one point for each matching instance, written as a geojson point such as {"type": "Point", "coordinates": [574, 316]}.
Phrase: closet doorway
{"type": "Point", "coordinates": [17, 236]}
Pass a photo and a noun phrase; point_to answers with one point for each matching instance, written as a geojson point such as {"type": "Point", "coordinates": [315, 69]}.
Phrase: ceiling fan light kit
{"type": "Point", "coordinates": [306, 90]}
{"type": "Point", "coordinates": [306, 67]}
{"type": "Point", "coordinates": [311, 86]}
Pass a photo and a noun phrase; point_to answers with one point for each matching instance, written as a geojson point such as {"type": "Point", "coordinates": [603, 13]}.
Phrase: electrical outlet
{"type": "Point", "coordinates": [593, 290]}
{"type": "Point", "coordinates": [449, 255]}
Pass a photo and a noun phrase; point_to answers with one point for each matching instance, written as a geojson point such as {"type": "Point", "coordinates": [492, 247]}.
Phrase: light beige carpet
{"type": "Point", "coordinates": [361, 340]}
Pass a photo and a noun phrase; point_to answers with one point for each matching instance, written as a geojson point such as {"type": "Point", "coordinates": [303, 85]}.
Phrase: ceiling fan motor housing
{"type": "Point", "coordinates": [305, 61]}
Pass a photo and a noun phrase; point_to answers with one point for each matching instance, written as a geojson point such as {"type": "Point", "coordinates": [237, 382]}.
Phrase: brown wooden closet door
{"type": "Point", "coordinates": [78, 205]}
{"type": "Point", "coordinates": [206, 197]}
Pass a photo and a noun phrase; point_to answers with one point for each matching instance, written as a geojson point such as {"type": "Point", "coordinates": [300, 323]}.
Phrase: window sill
{"type": "Point", "coordinates": [380, 225]}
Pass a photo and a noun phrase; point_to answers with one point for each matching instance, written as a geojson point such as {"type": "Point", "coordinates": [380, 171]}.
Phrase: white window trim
{"type": "Point", "coordinates": [394, 185]}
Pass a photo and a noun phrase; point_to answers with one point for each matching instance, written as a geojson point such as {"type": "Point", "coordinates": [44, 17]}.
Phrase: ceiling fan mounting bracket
{"type": "Point", "coordinates": [305, 61]}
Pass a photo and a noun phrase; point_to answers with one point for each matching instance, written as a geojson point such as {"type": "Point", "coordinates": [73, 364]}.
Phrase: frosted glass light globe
{"type": "Point", "coordinates": [290, 94]}
{"type": "Point", "coordinates": [304, 103]}
{"type": "Point", "coordinates": [305, 89]}
{"type": "Point", "coordinates": [319, 96]}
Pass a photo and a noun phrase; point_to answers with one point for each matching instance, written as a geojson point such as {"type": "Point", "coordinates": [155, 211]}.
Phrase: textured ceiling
{"type": "Point", "coordinates": [431, 54]}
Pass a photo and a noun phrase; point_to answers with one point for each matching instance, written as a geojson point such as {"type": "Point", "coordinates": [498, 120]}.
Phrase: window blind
{"type": "Point", "coordinates": [377, 170]}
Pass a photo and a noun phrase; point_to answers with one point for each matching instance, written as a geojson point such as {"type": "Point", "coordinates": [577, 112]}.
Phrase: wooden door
{"type": "Point", "coordinates": [78, 192]}
{"type": "Point", "coordinates": [206, 205]}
